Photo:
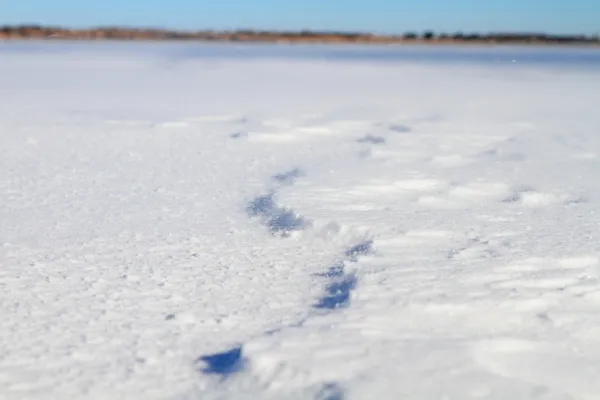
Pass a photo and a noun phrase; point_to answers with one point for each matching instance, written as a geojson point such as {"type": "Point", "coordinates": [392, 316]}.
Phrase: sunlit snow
{"type": "Point", "coordinates": [264, 222]}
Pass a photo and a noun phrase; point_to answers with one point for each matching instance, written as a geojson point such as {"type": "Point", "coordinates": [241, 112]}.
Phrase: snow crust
{"type": "Point", "coordinates": [275, 227]}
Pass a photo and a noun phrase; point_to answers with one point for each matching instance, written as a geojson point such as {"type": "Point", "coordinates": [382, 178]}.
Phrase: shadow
{"type": "Point", "coordinates": [261, 206]}
{"type": "Point", "coordinates": [238, 135]}
{"type": "Point", "coordinates": [335, 271]}
{"type": "Point", "coordinates": [371, 139]}
{"type": "Point", "coordinates": [337, 292]}
{"type": "Point", "coordinates": [279, 220]}
{"type": "Point", "coordinates": [399, 128]}
{"type": "Point", "coordinates": [284, 222]}
{"type": "Point", "coordinates": [358, 250]}
{"type": "Point", "coordinates": [225, 363]}
{"type": "Point", "coordinates": [330, 391]}
{"type": "Point", "coordinates": [289, 177]}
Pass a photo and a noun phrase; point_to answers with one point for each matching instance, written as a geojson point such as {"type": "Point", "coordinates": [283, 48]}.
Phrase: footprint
{"type": "Point", "coordinates": [280, 221]}
{"type": "Point", "coordinates": [342, 283]}
{"type": "Point", "coordinates": [238, 135]}
{"type": "Point", "coordinates": [225, 363]}
{"type": "Point", "coordinates": [289, 177]}
{"type": "Point", "coordinates": [371, 139]}
{"type": "Point", "coordinates": [330, 391]}
{"type": "Point", "coordinates": [399, 128]}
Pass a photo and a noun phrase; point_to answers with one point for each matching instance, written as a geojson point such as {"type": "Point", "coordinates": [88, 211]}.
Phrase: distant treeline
{"type": "Point", "coordinates": [123, 33]}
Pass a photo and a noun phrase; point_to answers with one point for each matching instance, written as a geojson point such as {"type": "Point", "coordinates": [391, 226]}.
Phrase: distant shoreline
{"type": "Point", "coordinates": [35, 32]}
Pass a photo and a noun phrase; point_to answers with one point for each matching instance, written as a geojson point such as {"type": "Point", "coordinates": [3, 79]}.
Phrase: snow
{"type": "Point", "coordinates": [183, 222]}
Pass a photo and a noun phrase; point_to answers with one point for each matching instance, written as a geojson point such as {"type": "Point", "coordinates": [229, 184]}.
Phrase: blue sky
{"type": "Point", "coordinates": [385, 16]}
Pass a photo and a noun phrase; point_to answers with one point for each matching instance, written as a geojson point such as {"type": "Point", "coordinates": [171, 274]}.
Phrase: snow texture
{"type": "Point", "coordinates": [242, 222]}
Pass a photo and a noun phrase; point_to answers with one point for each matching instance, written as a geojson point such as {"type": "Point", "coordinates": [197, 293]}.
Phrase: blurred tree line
{"type": "Point", "coordinates": [38, 31]}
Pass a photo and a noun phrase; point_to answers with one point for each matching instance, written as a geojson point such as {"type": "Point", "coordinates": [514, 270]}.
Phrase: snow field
{"type": "Point", "coordinates": [297, 229]}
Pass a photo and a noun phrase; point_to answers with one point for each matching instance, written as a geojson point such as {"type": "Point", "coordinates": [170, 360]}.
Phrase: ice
{"type": "Point", "coordinates": [185, 221]}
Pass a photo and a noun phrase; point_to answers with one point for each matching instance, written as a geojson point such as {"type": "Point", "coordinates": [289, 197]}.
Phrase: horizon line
{"type": "Point", "coordinates": [37, 25]}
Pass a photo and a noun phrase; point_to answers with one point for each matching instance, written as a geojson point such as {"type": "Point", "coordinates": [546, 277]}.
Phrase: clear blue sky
{"type": "Point", "coordinates": [386, 16]}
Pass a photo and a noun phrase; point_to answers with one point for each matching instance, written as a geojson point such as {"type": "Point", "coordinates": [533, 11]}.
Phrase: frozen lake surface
{"type": "Point", "coordinates": [549, 56]}
{"type": "Point", "coordinates": [185, 221]}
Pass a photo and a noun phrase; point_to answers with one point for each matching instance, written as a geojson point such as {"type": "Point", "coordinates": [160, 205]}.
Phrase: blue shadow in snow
{"type": "Point", "coordinates": [330, 391]}
{"type": "Point", "coordinates": [238, 135]}
{"type": "Point", "coordinates": [335, 271]}
{"type": "Point", "coordinates": [285, 222]}
{"type": "Point", "coordinates": [371, 139]}
{"type": "Point", "coordinates": [399, 128]}
{"type": "Point", "coordinates": [225, 363]}
{"type": "Point", "coordinates": [279, 220]}
{"type": "Point", "coordinates": [289, 177]}
{"type": "Point", "coordinates": [359, 250]}
{"type": "Point", "coordinates": [261, 206]}
{"type": "Point", "coordinates": [337, 292]}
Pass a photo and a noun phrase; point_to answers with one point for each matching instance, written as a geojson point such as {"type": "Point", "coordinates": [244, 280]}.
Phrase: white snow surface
{"type": "Point", "coordinates": [130, 248]}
